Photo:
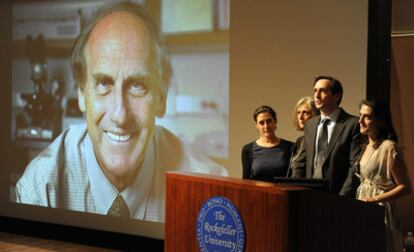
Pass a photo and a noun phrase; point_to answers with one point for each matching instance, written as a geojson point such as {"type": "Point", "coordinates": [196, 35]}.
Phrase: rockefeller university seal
{"type": "Point", "coordinates": [219, 226]}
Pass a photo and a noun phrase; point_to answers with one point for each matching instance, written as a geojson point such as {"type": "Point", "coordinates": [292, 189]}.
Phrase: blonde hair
{"type": "Point", "coordinates": [308, 101]}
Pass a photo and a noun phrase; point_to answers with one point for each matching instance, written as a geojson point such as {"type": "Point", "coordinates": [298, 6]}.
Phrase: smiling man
{"type": "Point", "coordinates": [331, 140]}
{"type": "Point", "coordinates": [116, 163]}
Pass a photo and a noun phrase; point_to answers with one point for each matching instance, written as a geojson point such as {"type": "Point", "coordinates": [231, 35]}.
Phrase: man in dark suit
{"type": "Point", "coordinates": [331, 140]}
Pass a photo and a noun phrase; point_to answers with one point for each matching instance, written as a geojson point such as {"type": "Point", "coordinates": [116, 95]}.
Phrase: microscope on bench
{"type": "Point", "coordinates": [42, 113]}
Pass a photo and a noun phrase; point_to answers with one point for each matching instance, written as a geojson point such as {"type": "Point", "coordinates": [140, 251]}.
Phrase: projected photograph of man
{"type": "Point", "coordinates": [115, 163]}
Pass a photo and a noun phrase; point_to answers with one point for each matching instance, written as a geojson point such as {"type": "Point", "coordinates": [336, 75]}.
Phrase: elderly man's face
{"type": "Point", "coordinates": [121, 98]}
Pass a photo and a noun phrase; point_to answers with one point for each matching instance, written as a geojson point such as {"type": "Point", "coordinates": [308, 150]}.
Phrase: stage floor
{"type": "Point", "coordinates": [15, 242]}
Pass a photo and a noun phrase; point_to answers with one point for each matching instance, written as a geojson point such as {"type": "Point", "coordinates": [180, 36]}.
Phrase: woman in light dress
{"type": "Point", "coordinates": [382, 172]}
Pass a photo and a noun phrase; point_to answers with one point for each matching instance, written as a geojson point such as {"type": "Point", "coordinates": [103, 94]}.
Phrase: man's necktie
{"type": "Point", "coordinates": [119, 208]}
{"type": "Point", "coordinates": [322, 149]}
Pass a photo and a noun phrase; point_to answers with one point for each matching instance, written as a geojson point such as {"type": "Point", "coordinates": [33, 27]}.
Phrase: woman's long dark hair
{"type": "Point", "coordinates": [382, 120]}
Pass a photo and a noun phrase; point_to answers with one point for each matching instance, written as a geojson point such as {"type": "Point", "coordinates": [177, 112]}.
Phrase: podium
{"type": "Point", "coordinates": [276, 217]}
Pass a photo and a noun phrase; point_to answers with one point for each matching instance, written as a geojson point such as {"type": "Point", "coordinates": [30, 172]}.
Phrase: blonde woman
{"type": "Point", "coordinates": [304, 110]}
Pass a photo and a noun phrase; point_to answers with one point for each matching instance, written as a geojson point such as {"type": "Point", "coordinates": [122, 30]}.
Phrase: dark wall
{"type": "Point", "coordinates": [379, 50]}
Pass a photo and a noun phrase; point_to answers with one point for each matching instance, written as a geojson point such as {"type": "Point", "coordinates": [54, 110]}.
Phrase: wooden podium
{"type": "Point", "coordinates": [276, 217]}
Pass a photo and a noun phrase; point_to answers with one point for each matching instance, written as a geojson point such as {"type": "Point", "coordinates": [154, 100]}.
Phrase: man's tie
{"type": "Point", "coordinates": [322, 149]}
{"type": "Point", "coordinates": [119, 208]}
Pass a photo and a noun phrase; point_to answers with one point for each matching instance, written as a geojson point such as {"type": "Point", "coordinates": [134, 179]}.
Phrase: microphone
{"type": "Point", "coordinates": [292, 152]}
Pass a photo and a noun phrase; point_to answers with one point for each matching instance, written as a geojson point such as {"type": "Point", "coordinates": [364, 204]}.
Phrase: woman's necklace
{"type": "Point", "coordinates": [369, 151]}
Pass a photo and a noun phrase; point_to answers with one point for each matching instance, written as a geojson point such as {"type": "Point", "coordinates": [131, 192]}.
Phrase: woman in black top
{"type": "Point", "coordinates": [269, 155]}
{"type": "Point", "coordinates": [304, 110]}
